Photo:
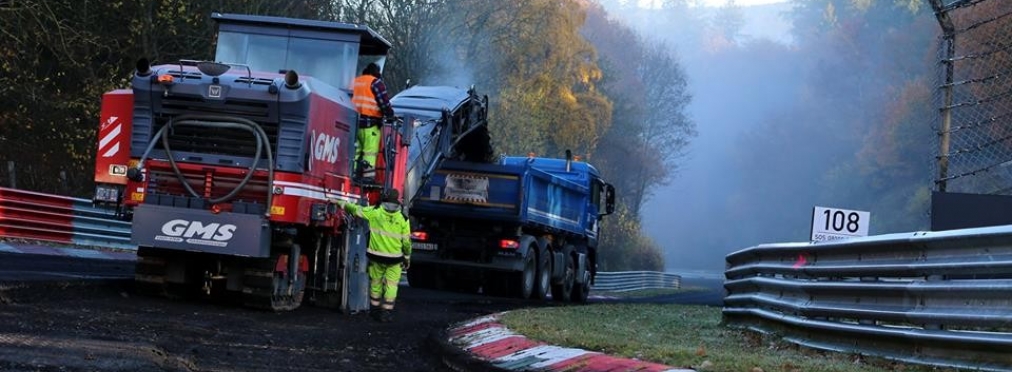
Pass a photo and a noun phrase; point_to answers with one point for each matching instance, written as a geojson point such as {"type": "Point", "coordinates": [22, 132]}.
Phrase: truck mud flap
{"type": "Point", "coordinates": [581, 268]}
{"type": "Point", "coordinates": [198, 230]}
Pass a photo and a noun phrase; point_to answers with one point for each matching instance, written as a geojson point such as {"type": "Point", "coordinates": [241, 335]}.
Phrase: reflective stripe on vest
{"type": "Point", "coordinates": [363, 97]}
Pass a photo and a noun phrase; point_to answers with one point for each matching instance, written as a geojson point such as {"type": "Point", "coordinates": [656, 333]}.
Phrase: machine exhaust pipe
{"type": "Point", "coordinates": [569, 160]}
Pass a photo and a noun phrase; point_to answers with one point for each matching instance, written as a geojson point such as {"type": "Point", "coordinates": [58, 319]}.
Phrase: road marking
{"type": "Point", "coordinates": [487, 339]}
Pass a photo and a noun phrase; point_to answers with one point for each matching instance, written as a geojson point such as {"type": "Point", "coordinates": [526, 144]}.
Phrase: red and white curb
{"type": "Point", "coordinates": [487, 339]}
{"type": "Point", "coordinates": [65, 251]}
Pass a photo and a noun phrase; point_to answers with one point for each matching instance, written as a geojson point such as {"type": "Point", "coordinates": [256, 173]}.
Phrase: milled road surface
{"type": "Point", "coordinates": [68, 314]}
{"type": "Point", "coordinates": [102, 326]}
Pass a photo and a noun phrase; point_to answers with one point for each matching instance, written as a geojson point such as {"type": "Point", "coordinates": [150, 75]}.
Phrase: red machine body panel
{"type": "Point", "coordinates": [113, 152]}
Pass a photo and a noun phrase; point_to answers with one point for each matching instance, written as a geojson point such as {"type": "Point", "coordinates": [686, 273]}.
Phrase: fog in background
{"type": "Point", "coordinates": [773, 140]}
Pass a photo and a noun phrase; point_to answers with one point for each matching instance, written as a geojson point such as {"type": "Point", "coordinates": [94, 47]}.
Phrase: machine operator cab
{"type": "Point", "coordinates": [329, 52]}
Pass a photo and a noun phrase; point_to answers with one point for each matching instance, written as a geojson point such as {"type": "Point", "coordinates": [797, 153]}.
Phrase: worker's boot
{"type": "Point", "coordinates": [369, 175]}
{"type": "Point", "coordinates": [387, 316]}
{"type": "Point", "coordinates": [365, 172]}
{"type": "Point", "coordinates": [375, 313]}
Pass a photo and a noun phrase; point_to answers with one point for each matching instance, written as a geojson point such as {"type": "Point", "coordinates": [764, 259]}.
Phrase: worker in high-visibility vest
{"type": "Point", "coordinates": [389, 250]}
{"type": "Point", "coordinates": [369, 95]}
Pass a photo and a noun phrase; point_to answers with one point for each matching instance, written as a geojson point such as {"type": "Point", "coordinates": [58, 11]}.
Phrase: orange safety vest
{"type": "Point", "coordinates": [363, 97]}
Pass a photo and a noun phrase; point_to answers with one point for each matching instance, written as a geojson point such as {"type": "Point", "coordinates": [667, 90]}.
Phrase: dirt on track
{"type": "Point", "coordinates": [103, 326]}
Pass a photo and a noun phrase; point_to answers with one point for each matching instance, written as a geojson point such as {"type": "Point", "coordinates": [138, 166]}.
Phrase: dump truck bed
{"type": "Point", "coordinates": [512, 193]}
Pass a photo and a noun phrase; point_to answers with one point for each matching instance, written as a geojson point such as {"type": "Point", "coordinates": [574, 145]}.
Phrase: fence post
{"type": "Point", "coordinates": [10, 172]}
{"type": "Point", "coordinates": [63, 183]}
{"type": "Point", "coordinates": [949, 43]}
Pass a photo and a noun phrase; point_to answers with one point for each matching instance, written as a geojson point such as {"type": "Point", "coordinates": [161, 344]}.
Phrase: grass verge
{"type": "Point", "coordinates": [681, 336]}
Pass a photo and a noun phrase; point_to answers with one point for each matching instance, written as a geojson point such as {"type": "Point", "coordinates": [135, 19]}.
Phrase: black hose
{"type": "Point", "coordinates": [226, 122]}
{"type": "Point", "coordinates": [225, 125]}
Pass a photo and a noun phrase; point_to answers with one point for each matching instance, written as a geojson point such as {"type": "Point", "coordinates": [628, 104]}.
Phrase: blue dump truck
{"type": "Point", "coordinates": [526, 227]}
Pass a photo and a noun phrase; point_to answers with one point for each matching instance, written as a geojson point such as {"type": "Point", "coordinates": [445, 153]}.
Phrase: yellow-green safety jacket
{"type": "Point", "coordinates": [389, 232]}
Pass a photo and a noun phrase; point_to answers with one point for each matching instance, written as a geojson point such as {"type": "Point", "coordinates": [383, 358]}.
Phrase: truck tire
{"type": "Point", "coordinates": [543, 279]}
{"type": "Point", "coordinates": [581, 291]}
{"type": "Point", "coordinates": [563, 292]}
{"type": "Point", "coordinates": [524, 280]}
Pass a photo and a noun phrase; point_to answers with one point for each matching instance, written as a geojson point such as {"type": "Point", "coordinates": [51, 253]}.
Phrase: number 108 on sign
{"type": "Point", "coordinates": [833, 224]}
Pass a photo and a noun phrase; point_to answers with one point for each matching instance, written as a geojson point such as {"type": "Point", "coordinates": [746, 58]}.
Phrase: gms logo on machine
{"type": "Point", "coordinates": [212, 234]}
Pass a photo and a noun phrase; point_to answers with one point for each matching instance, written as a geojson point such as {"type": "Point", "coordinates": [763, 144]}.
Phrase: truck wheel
{"type": "Point", "coordinates": [525, 279]}
{"type": "Point", "coordinates": [543, 280]}
{"type": "Point", "coordinates": [563, 292]}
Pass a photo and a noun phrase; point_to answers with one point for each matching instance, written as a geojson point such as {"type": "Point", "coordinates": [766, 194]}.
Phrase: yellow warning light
{"type": "Point", "coordinates": [165, 79]}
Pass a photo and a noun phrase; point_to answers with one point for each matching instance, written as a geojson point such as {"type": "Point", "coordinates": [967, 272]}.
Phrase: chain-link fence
{"type": "Point", "coordinates": [45, 179]}
{"type": "Point", "coordinates": [975, 96]}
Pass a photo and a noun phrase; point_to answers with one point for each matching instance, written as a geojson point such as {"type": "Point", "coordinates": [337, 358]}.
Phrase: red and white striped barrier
{"type": "Point", "coordinates": [60, 219]}
{"type": "Point", "coordinates": [487, 339]}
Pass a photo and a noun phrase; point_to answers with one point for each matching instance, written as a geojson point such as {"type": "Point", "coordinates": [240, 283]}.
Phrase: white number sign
{"type": "Point", "coordinates": [834, 224]}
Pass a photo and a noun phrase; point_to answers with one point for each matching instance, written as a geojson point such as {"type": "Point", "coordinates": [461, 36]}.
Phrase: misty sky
{"type": "Point", "coordinates": [742, 2]}
{"type": "Point", "coordinates": [688, 218]}
{"type": "Point", "coordinates": [778, 135]}
{"type": "Point", "coordinates": [785, 125]}
{"type": "Point", "coordinates": [722, 2]}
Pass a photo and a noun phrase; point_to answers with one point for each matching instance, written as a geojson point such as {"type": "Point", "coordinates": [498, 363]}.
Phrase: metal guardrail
{"type": "Point", "coordinates": [619, 281]}
{"type": "Point", "coordinates": [938, 298]}
{"type": "Point", "coordinates": [60, 219]}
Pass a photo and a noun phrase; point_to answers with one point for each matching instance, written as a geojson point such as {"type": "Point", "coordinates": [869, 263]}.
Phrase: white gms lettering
{"type": "Point", "coordinates": [325, 147]}
{"type": "Point", "coordinates": [225, 232]}
{"type": "Point", "coordinates": [175, 227]}
{"type": "Point", "coordinates": [189, 229]}
{"type": "Point", "coordinates": [198, 228]}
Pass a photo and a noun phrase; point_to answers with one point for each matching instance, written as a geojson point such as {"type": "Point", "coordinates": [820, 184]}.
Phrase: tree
{"type": "Point", "coordinates": [543, 76]}
{"type": "Point", "coordinates": [729, 21]}
{"type": "Point", "coordinates": [58, 57]}
{"type": "Point", "coordinates": [650, 129]}
{"type": "Point", "coordinates": [644, 145]}
{"type": "Point", "coordinates": [854, 136]}
{"type": "Point", "coordinates": [531, 53]}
